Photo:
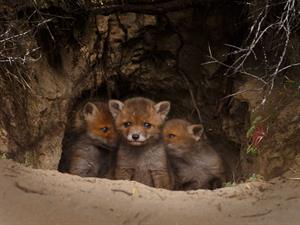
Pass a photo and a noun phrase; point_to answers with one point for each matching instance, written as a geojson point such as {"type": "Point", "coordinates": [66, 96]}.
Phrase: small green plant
{"type": "Point", "coordinates": [29, 158]}
{"type": "Point", "coordinates": [3, 156]}
{"type": "Point", "coordinates": [253, 126]}
{"type": "Point", "coordinates": [292, 84]}
{"type": "Point", "coordinates": [252, 149]}
{"type": "Point", "coordinates": [255, 177]}
{"type": "Point", "coordinates": [229, 184]}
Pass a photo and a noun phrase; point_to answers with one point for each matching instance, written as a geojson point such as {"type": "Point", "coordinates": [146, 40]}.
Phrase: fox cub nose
{"type": "Point", "coordinates": [135, 136]}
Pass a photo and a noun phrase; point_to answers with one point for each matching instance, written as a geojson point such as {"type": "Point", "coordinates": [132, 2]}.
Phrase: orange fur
{"type": "Point", "coordinates": [178, 128]}
{"type": "Point", "coordinates": [101, 119]}
{"type": "Point", "coordinates": [88, 148]}
{"type": "Point", "coordinates": [194, 160]}
{"type": "Point", "coordinates": [139, 111]}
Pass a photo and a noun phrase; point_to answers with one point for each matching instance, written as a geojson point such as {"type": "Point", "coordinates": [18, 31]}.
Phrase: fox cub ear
{"type": "Point", "coordinates": [89, 111]}
{"type": "Point", "coordinates": [115, 107]}
{"type": "Point", "coordinates": [163, 109]}
{"type": "Point", "coordinates": [197, 131]}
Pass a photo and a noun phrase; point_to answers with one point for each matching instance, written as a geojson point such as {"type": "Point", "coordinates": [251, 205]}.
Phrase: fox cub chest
{"type": "Point", "coordinates": [152, 157]}
{"type": "Point", "coordinates": [141, 156]}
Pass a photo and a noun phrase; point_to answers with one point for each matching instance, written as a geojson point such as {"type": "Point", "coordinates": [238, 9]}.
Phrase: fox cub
{"type": "Point", "coordinates": [88, 150]}
{"type": "Point", "coordinates": [141, 156]}
{"type": "Point", "coordinates": [194, 161]}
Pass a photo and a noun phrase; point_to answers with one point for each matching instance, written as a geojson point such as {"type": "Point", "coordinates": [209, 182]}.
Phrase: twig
{"type": "Point", "coordinates": [28, 190]}
{"type": "Point", "coordinates": [288, 67]}
{"type": "Point", "coordinates": [283, 24]}
{"type": "Point", "coordinates": [191, 94]}
{"type": "Point", "coordinates": [154, 8]}
{"type": "Point", "coordinates": [292, 198]}
{"type": "Point", "coordinates": [258, 214]}
{"type": "Point", "coordinates": [154, 192]}
{"type": "Point", "coordinates": [240, 92]}
{"type": "Point", "coordinates": [182, 73]}
{"type": "Point", "coordinates": [230, 67]}
{"type": "Point", "coordinates": [122, 191]}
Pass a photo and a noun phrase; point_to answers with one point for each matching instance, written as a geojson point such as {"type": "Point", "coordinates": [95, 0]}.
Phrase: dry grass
{"type": "Point", "coordinates": [272, 25]}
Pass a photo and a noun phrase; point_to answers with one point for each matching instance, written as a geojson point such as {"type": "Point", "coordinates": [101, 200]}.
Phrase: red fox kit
{"type": "Point", "coordinates": [193, 160]}
{"type": "Point", "coordinates": [141, 156]}
{"type": "Point", "coordinates": [88, 150]}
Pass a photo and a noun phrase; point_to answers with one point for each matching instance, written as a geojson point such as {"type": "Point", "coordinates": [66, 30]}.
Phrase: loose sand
{"type": "Point", "coordinates": [42, 197]}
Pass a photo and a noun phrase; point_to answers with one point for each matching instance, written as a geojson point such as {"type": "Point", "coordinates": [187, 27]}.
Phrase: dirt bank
{"type": "Point", "coordinates": [43, 197]}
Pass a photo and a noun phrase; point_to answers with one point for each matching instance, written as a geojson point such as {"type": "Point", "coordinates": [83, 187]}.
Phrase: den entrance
{"type": "Point", "coordinates": [232, 66]}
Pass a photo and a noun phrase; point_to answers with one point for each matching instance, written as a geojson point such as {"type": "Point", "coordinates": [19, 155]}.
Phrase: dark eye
{"type": "Point", "coordinates": [104, 129]}
{"type": "Point", "coordinates": [171, 136]}
{"type": "Point", "coordinates": [127, 124]}
{"type": "Point", "coordinates": [147, 125]}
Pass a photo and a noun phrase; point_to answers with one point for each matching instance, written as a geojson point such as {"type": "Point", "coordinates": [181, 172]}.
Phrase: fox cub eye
{"type": "Point", "coordinates": [104, 129]}
{"type": "Point", "coordinates": [127, 124]}
{"type": "Point", "coordinates": [171, 136]}
{"type": "Point", "coordinates": [147, 125]}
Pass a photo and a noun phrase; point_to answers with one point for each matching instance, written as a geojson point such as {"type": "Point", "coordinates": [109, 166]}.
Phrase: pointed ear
{"type": "Point", "coordinates": [89, 111]}
{"type": "Point", "coordinates": [163, 109]}
{"type": "Point", "coordinates": [196, 130]}
{"type": "Point", "coordinates": [115, 107]}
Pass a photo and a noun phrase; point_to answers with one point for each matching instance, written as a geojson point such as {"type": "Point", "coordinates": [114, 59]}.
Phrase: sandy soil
{"type": "Point", "coordinates": [40, 197]}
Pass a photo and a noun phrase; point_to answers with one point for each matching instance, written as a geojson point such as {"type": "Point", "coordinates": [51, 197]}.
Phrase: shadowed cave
{"type": "Point", "coordinates": [231, 65]}
{"type": "Point", "coordinates": [184, 57]}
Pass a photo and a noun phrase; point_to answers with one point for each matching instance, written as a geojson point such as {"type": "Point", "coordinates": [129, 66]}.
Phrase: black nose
{"type": "Point", "coordinates": [135, 136]}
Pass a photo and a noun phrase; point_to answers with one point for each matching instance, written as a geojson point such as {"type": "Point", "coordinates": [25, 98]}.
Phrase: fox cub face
{"type": "Point", "coordinates": [139, 120]}
{"type": "Point", "coordinates": [99, 123]}
{"type": "Point", "coordinates": [180, 136]}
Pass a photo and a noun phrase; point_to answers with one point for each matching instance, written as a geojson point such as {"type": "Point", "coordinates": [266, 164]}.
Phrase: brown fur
{"type": "Point", "coordinates": [144, 159]}
{"type": "Point", "coordinates": [88, 149]}
{"type": "Point", "coordinates": [194, 161]}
